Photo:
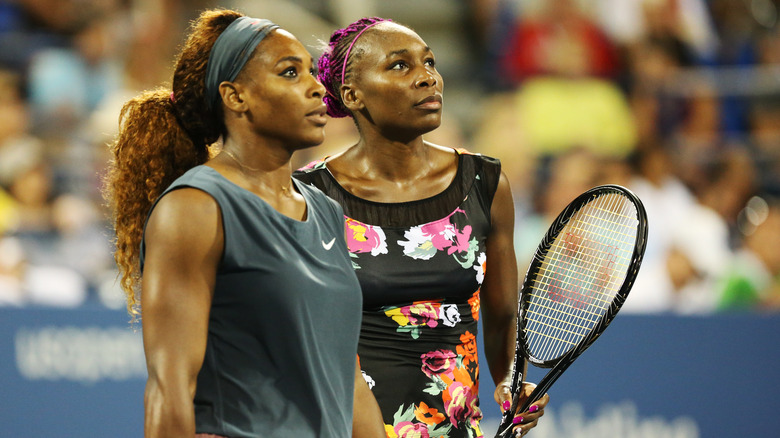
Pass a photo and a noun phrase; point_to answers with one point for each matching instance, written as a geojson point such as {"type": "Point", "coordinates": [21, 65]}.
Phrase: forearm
{"type": "Point", "coordinates": [366, 417]}
{"type": "Point", "coordinates": [499, 338]}
{"type": "Point", "coordinates": [167, 412]}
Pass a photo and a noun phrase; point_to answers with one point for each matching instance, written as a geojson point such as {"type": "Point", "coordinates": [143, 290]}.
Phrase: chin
{"type": "Point", "coordinates": [433, 125]}
{"type": "Point", "coordinates": [310, 142]}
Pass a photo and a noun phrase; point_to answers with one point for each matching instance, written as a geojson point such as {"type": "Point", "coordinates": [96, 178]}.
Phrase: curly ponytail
{"type": "Point", "coordinates": [162, 134]}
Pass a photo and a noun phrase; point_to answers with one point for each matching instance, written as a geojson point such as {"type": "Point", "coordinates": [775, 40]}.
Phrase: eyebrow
{"type": "Point", "coordinates": [297, 59]}
{"type": "Point", "coordinates": [427, 49]}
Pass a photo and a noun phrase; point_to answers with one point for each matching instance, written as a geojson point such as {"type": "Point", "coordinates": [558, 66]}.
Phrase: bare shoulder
{"type": "Point", "coordinates": [445, 156]}
{"type": "Point", "coordinates": [183, 213]}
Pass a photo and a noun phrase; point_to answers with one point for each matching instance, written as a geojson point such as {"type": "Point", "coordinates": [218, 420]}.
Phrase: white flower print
{"type": "Point", "coordinates": [480, 267]}
{"type": "Point", "coordinates": [418, 244]}
{"type": "Point", "coordinates": [449, 315]}
{"type": "Point", "coordinates": [369, 380]}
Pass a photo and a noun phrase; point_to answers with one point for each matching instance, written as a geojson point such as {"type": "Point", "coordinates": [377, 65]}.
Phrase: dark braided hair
{"type": "Point", "coordinates": [162, 134]}
{"type": "Point", "coordinates": [331, 66]}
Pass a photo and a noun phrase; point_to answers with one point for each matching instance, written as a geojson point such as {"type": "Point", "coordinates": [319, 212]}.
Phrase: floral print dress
{"type": "Point", "coordinates": [420, 265]}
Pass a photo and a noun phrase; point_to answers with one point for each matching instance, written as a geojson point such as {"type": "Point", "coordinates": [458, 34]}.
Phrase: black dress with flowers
{"type": "Point", "coordinates": [420, 265]}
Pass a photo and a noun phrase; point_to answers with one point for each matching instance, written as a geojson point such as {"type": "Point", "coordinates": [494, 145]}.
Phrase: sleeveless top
{"type": "Point", "coordinates": [420, 266]}
{"type": "Point", "coordinates": [284, 322]}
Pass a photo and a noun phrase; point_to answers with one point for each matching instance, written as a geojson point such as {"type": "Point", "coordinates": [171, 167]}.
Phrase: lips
{"type": "Point", "coordinates": [318, 115]}
{"type": "Point", "coordinates": [320, 111]}
{"type": "Point", "coordinates": [432, 102]}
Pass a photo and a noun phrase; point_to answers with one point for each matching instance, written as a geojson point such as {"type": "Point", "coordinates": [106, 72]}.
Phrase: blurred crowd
{"type": "Point", "coordinates": [678, 100]}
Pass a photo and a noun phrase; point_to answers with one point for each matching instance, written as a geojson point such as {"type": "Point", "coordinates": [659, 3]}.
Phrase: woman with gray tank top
{"type": "Point", "coordinates": [250, 307]}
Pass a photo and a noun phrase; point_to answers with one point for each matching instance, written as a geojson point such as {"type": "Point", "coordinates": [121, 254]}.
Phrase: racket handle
{"type": "Point", "coordinates": [542, 387]}
{"type": "Point", "coordinates": [506, 426]}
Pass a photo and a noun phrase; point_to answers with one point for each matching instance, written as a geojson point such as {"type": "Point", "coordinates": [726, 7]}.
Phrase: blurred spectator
{"type": "Point", "coordinates": [557, 38]}
{"type": "Point", "coordinates": [752, 281]}
{"type": "Point", "coordinates": [68, 83]}
{"type": "Point", "coordinates": [687, 245]}
{"type": "Point", "coordinates": [559, 180]}
{"type": "Point", "coordinates": [651, 66]}
{"type": "Point", "coordinates": [746, 31]}
{"type": "Point", "coordinates": [685, 25]}
{"type": "Point", "coordinates": [764, 139]}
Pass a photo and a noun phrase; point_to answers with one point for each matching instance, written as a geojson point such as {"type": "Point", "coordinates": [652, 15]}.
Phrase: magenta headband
{"type": "Point", "coordinates": [349, 49]}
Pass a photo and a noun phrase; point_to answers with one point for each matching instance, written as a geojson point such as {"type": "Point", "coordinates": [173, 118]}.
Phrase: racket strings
{"type": "Point", "coordinates": [580, 275]}
{"type": "Point", "coordinates": [577, 265]}
{"type": "Point", "coordinates": [565, 292]}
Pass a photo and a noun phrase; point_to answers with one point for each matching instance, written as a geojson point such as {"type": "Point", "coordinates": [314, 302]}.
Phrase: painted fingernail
{"type": "Point", "coordinates": [506, 404]}
{"type": "Point", "coordinates": [533, 409]}
{"type": "Point", "coordinates": [518, 432]}
{"type": "Point", "coordinates": [517, 420]}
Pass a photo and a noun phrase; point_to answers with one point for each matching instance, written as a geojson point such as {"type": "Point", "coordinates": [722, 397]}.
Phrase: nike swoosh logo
{"type": "Point", "coordinates": [328, 245]}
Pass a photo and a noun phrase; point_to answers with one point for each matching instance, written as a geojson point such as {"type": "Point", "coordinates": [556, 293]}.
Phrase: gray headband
{"type": "Point", "coordinates": [231, 52]}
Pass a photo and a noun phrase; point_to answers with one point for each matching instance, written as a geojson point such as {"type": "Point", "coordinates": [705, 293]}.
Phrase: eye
{"type": "Point", "coordinates": [290, 72]}
{"type": "Point", "coordinates": [430, 62]}
{"type": "Point", "coordinates": [398, 65]}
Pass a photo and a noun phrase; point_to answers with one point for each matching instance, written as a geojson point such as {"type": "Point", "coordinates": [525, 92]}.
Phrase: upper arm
{"type": "Point", "coordinates": [499, 290]}
{"type": "Point", "coordinates": [184, 242]}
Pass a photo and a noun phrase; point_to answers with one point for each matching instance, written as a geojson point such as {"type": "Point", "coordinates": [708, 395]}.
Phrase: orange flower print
{"type": "Point", "coordinates": [474, 303]}
{"type": "Point", "coordinates": [468, 346]}
{"type": "Point", "coordinates": [462, 375]}
{"type": "Point", "coordinates": [468, 350]}
{"type": "Point", "coordinates": [428, 415]}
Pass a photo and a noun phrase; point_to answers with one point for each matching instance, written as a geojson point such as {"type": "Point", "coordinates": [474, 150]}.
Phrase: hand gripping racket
{"type": "Point", "coordinates": [579, 278]}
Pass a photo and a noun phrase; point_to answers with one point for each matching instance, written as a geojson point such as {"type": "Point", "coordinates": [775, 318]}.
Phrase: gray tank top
{"type": "Point", "coordinates": [284, 322]}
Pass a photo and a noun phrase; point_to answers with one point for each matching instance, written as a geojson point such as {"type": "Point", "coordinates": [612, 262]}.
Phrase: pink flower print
{"type": "Point", "coordinates": [439, 362]}
{"type": "Point", "coordinates": [362, 238]}
{"type": "Point", "coordinates": [461, 241]}
{"type": "Point", "coordinates": [407, 429]}
{"type": "Point", "coordinates": [314, 164]}
{"type": "Point", "coordinates": [422, 313]}
{"type": "Point", "coordinates": [460, 403]}
{"type": "Point", "coordinates": [441, 233]}
{"type": "Point", "coordinates": [422, 242]}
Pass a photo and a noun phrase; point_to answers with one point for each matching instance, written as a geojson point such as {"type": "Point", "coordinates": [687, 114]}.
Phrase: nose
{"type": "Point", "coordinates": [427, 78]}
{"type": "Point", "coordinates": [318, 90]}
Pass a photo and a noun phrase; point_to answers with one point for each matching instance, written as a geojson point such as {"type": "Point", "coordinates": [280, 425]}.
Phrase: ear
{"type": "Point", "coordinates": [352, 98]}
{"type": "Point", "coordinates": [232, 96]}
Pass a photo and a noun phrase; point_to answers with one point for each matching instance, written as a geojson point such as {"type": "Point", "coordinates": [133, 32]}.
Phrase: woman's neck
{"type": "Point", "coordinates": [259, 168]}
{"type": "Point", "coordinates": [392, 160]}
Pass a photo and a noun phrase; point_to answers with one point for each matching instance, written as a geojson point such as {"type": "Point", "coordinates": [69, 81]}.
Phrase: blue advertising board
{"type": "Point", "coordinates": [666, 376]}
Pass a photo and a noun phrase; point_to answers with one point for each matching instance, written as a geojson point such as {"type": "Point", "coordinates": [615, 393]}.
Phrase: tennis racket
{"type": "Point", "coordinates": [580, 276]}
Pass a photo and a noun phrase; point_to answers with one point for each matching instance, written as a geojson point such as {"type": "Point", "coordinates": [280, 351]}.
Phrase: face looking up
{"type": "Point", "coordinates": [393, 83]}
{"type": "Point", "coordinates": [281, 93]}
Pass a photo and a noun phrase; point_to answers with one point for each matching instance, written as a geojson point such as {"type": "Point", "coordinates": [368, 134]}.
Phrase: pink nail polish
{"type": "Point", "coordinates": [533, 409]}
{"type": "Point", "coordinates": [517, 420]}
{"type": "Point", "coordinates": [507, 404]}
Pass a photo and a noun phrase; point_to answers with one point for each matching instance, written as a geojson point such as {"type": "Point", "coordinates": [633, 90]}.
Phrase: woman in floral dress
{"type": "Point", "coordinates": [430, 232]}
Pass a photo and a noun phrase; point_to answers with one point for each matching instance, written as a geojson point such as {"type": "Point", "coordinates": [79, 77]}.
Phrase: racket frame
{"type": "Point", "coordinates": [560, 364]}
